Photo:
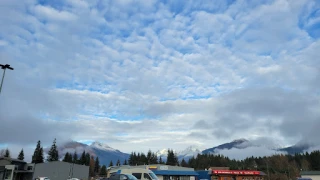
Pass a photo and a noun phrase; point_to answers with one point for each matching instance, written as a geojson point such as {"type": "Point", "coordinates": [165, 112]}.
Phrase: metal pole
{"type": "Point", "coordinates": [4, 72]}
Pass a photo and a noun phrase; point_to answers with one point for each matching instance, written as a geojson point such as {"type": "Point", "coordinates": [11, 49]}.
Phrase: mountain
{"type": "Point", "coordinates": [191, 151]}
{"type": "Point", "coordinates": [185, 154]}
{"type": "Point", "coordinates": [107, 154]}
{"type": "Point", "coordinates": [296, 149]}
{"type": "Point", "coordinates": [104, 152]}
{"type": "Point", "coordinates": [239, 144]}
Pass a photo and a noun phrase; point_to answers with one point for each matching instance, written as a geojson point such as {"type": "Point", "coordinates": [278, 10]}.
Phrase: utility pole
{"type": "Point", "coordinates": [4, 67]}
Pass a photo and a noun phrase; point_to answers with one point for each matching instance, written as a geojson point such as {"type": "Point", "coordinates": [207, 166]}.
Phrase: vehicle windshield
{"type": "Point", "coordinates": [153, 176]}
{"type": "Point", "coordinates": [131, 177]}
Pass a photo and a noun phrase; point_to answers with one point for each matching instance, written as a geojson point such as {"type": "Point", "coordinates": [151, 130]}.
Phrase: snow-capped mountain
{"type": "Point", "coordinates": [104, 152]}
{"type": "Point", "coordinates": [189, 152]}
{"type": "Point", "coordinates": [238, 143]}
{"type": "Point", "coordinates": [185, 154]}
{"type": "Point", "coordinates": [101, 146]}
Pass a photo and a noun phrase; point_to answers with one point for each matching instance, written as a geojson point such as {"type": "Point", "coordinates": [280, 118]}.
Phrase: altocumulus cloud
{"type": "Point", "coordinates": [159, 74]}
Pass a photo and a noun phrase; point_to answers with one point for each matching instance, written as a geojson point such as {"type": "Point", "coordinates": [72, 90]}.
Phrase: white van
{"type": "Point", "coordinates": [139, 173]}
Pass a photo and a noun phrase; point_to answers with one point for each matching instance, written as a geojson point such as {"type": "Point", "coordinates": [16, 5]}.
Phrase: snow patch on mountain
{"type": "Point", "coordinates": [101, 146]}
{"type": "Point", "coordinates": [190, 151]}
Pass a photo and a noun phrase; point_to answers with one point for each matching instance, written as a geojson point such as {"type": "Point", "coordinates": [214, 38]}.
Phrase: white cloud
{"type": "Point", "coordinates": [240, 154]}
{"type": "Point", "coordinates": [209, 73]}
{"type": "Point", "coordinates": [52, 14]}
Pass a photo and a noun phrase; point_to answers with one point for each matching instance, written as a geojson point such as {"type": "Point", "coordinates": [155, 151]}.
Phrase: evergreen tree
{"type": "Point", "coordinates": [38, 154]}
{"type": "Point", "coordinates": [7, 153]}
{"type": "Point", "coordinates": [97, 165]}
{"type": "Point", "coordinates": [149, 157]}
{"type": "Point", "coordinates": [21, 155]}
{"type": "Point", "coordinates": [184, 163]}
{"type": "Point", "coordinates": [82, 160]}
{"type": "Point", "coordinates": [67, 158]}
{"type": "Point", "coordinates": [75, 158]}
{"type": "Point", "coordinates": [103, 170]}
{"type": "Point", "coordinates": [118, 163]}
{"type": "Point", "coordinates": [110, 164]}
{"type": "Point", "coordinates": [125, 162]}
{"type": "Point", "coordinates": [87, 159]}
{"type": "Point", "coordinates": [53, 154]}
{"type": "Point", "coordinates": [160, 161]}
{"type": "Point", "coordinates": [172, 158]}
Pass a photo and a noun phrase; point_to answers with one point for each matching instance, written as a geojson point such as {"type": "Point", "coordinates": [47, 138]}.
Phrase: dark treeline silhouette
{"type": "Point", "coordinates": [276, 166]}
{"type": "Point", "coordinates": [151, 158]}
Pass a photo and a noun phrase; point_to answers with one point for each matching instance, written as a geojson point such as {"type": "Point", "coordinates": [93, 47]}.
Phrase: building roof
{"type": "Point", "coordinates": [175, 173]}
{"type": "Point", "coordinates": [11, 159]}
{"type": "Point", "coordinates": [310, 172]}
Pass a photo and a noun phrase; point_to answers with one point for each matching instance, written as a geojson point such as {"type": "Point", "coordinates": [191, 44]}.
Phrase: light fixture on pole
{"type": "Point", "coordinates": [4, 67]}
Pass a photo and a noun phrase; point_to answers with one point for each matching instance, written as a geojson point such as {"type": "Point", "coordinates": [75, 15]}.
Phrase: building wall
{"type": "Point", "coordinates": [61, 170]}
{"type": "Point", "coordinates": [4, 162]}
{"type": "Point", "coordinates": [313, 177]}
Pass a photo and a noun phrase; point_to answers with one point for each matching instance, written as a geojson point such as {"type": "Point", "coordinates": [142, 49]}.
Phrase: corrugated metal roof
{"type": "Point", "coordinates": [175, 173]}
{"type": "Point", "coordinates": [310, 172]}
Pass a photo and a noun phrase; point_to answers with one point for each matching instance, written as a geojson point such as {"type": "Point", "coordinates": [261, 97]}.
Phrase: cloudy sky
{"type": "Point", "coordinates": [150, 74]}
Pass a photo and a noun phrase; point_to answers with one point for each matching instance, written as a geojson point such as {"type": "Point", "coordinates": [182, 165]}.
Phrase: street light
{"type": "Point", "coordinates": [4, 67]}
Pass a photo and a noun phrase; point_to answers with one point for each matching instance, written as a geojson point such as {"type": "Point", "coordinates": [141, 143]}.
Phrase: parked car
{"type": "Point", "coordinates": [122, 177]}
{"type": "Point", "coordinates": [42, 178]}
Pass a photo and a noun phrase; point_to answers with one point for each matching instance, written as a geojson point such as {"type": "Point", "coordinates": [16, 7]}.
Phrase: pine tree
{"type": "Point", "coordinates": [160, 161]}
{"type": "Point", "coordinates": [125, 162]}
{"type": "Point", "coordinates": [82, 160]}
{"type": "Point", "coordinates": [184, 163]}
{"type": "Point", "coordinates": [21, 155]}
{"type": "Point", "coordinates": [53, 154]}
{"type": "Point", "coordinates": [7, 153]}
{"type": "Point", "coordinates": [97, 165]}
{"type": "Point", "coordinates": [38, 154]}
{"type": "Point", "coordinates": [67, 158]}
{"type": "Point", "coordinates": [118, 163]}
{"type": "Point", "coordinates": [75, 158]}
{"type": "Point", "coordinates": [110, 164]}
{"type": "Point", "coordinates": [103, 170]}
{"type": "Point", "coordinates": [87, 159]}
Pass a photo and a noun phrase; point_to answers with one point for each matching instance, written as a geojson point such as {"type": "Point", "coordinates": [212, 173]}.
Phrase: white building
{"type": "Point", "coordinates": [314, 175]}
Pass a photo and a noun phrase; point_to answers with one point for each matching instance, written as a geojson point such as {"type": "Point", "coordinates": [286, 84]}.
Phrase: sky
{"type": "Point", "coordinates": [140, 75]}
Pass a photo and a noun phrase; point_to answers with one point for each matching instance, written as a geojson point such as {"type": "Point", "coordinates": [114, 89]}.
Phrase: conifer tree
{"type": "Point", "coordinates": [125, 162]}
{"type": "Point", "coordinates": [38, 154]}
{"type": "Point", "coordinates": [7, 153]}
{"type": "Point", "coordinates": [103, 170]}
{"type": "Point", "coordinates": [53, 154]}
{"type": "Point", "coordinates": [97, 165]}
{"type": "Point", "coordinates": [21, 155]}
{"type": "Point", "coordinates": [75, 158]}
{"type": "Point", "coordinates": [118, 163]}
{"type": "Point", "coordinates": [110, 164]}
{"type": "Point", "coordinates": [67, 158]}
{"type": "Point", "coordinates": [184, 163]}
{"type": "Point", "coordinates": [83, 158]}
{"type": "Point", "coordinates": [87, 159]}
{"type": "Point", "coordinates": [160, 161]}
